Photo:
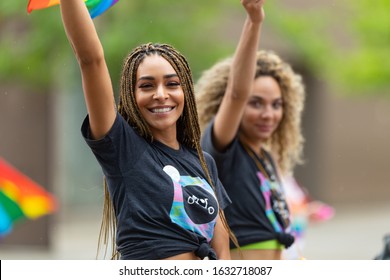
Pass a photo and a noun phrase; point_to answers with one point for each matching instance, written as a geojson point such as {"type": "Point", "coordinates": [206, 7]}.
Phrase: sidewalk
{"type": "Point", "coordinates": [355, 233]}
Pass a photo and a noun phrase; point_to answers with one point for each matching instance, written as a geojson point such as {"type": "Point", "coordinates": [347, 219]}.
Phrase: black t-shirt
{"type": "Point", "coordinates": [250, 216]}
{"type": "Point", "coordinates": [163, 204]}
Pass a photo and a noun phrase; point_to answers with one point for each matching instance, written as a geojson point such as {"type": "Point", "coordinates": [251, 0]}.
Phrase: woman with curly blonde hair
{"type": "Point", "coordinates": [287, 141]}
{"type": "Point", "coordinates": [250, 109]}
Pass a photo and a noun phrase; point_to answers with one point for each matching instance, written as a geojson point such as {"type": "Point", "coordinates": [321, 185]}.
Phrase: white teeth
{"type": "Point", "coordinates": [161, 110]}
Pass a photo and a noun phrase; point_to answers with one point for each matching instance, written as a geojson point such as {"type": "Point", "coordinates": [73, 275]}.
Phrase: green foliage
{"type": "Point", "coordinates": [346, 43]}
{"type": "Point", "coordinates": [369, 63]}
{"type": "Point", "coordinates": [30, 44]}
{"type": "Point", "coordinates": [34, 49]}
{"type": "Point", "coordinates": [187, 25]}
{"type": "Point", "coordinates": [303, 32]}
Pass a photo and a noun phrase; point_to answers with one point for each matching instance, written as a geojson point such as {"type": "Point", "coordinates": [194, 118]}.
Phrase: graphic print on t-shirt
{"type": "Point", "coordinates": [275, 204]}
{"type": "Point", "coordinates": [194, 205]}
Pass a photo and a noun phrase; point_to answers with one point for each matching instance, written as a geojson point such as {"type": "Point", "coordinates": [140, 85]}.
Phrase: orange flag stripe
{"type": "Point", "coordinates": [24, 184]}
{"type": "Point", "coordinates": [41, 4]}
{"type": "Point", "coordinates": [31, 197]}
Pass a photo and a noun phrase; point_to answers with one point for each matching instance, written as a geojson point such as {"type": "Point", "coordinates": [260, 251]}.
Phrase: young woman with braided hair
{"type": "Point", "coordinates": [163, 199]}
{"type": "Point", "coordinates": [250, 107]}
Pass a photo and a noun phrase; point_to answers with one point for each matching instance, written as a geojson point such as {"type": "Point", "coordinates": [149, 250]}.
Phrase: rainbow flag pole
{"type": "Point", "coordinates": [21, 198]}
{"type": "Point", "coordinates": [95, 7]}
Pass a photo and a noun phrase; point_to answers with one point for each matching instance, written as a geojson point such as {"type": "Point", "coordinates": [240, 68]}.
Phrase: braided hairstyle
{"type": "Point", "coordinates": [188, 129]}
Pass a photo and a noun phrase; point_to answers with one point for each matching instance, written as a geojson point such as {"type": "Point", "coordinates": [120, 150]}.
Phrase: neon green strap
{"type": "Point", "coordinates": [264, 245]}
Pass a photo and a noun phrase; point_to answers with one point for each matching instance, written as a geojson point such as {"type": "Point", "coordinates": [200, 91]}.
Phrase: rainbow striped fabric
{"type": "Point", "coordinates": [21, 198]}
{"type": "Point", "coordinates": [95, 7]}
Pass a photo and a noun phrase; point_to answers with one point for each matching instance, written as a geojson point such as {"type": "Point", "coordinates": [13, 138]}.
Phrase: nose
{"type": "Point", "coordinates": [160, 93]}
{"type": "Point", "coordinates": [267, 112]}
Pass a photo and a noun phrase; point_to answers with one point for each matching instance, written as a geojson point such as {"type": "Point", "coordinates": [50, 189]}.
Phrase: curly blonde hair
{"type": "Point", "coordinates": [286, 143]}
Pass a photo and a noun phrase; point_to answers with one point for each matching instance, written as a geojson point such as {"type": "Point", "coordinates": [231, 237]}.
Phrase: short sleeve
{"type": "Point", "coordinates": [224, 160]}
{"type": "Point", "coordinates": [119, 150]}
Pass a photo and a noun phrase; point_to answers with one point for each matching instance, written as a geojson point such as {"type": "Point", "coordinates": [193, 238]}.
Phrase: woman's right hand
{"type": "Point", "coordinates": [254, 9]}
{"type": "Point", "coordinates": [239, 86]}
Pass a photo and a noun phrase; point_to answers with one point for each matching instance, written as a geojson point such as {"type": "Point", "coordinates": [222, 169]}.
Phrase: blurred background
{"type": "Point", "coordinates": [341, 48]}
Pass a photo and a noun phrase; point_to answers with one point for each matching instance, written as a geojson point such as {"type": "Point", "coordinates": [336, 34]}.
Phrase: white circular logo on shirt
{"type": "Point", "coordinates": [172, 172]}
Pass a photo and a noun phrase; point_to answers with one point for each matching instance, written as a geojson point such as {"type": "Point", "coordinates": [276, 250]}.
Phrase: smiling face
{"type": "Point", "coordinates": [263, 112]}
{"type": "Point", "coordinates": [159, 95]}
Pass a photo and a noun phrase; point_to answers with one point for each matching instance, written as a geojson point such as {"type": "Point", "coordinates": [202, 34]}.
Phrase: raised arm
{"type": "Point", "coordinates": [242, 74]}
{"type": "Point", "coordinates": [97, 86]}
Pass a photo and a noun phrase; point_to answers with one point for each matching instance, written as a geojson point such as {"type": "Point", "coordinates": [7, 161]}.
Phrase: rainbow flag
{"type": "Point", "coordinates": [95, 7]}
{"type": "Point", "coordinates": [20, 198]}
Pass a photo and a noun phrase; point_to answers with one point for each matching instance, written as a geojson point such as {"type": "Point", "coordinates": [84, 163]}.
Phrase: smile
{"type": "Point", "coordinates": [264, 128]}
{"type": "Point", "coordinates": [161, 110]}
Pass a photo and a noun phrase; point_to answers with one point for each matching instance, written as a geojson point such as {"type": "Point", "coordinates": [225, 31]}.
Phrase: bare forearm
{"type": "Point", "coordinates": [97, 87]}
{"type": "Point", "coordinates": [80, 30]}
{"type": "Point", "coordinates": [244, 61]}
{"type": "Point", "coordinates": [241, 76]}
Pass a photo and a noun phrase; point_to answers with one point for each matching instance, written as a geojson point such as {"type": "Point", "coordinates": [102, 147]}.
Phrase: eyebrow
{"type": "Point", "coordinates": [261, 98]}
{"type": "Point", "coordinates": [150, 78]}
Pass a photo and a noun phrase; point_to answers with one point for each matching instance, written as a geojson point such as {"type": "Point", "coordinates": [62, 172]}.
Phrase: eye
{"type": "Point", "coordinates": [145, 86]}
{"type": "Point", "coordinates": [173, 84]}
{"type": "Point", "coordinates": [255, 103]}
{"type": "Point", "coordinates": [278, 104]}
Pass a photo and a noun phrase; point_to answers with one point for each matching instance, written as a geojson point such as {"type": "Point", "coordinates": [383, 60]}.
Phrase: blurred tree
{"type": "Point", "coordinates": [34, 49]}
{"type": "Point", "coordinates": [368, 60]}
{"type": "Point", "coordinates": [343, 42]}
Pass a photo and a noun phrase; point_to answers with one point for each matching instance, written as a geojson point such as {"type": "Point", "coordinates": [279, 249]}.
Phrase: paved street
{"type": "Point", "coordinates": [355, 233]}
